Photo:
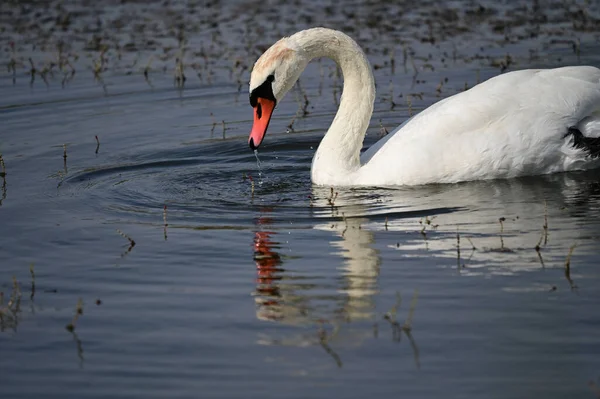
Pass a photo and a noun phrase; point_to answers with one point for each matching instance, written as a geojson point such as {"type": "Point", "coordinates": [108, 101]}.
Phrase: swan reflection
{"type": "Point", "coordinates": [274, 302]}
{"type": "Point", "coordinates": [295, 298]}
{"type": "Point", "coordinates": [484, 227]}
{"type": "Point", "coordinates": [479, 228]}
{"type": "Point", "coordinates": [360, 268]}
{"type": "Point", "coordinates": [338, 310]}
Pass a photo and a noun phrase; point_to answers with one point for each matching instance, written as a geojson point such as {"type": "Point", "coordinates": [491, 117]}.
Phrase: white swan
{"type": "Point", "coordinates": [527, 122]}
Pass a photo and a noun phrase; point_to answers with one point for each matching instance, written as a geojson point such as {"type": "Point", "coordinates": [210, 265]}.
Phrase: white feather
{"type": "Point", "coordinates": [512, 125]}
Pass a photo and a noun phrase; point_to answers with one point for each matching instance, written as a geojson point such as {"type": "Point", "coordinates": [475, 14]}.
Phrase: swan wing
{"type": "Point", "coordinates": [513, 124]}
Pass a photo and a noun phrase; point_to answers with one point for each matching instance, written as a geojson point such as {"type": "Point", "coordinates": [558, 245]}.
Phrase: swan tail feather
{"type": "Point", "coordinates": [591, 145]}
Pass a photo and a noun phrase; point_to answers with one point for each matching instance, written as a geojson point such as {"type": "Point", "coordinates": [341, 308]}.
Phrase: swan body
{"type": "Point", "coordinates": [528, 122]}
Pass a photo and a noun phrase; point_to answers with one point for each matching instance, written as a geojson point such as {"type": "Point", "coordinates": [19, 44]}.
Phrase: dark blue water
{"type": "Point", "coordinates": [256, 284]}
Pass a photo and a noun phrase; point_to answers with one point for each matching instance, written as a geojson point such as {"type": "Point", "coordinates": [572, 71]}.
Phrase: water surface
{"type": "Point", "coordinates": [201, 277]}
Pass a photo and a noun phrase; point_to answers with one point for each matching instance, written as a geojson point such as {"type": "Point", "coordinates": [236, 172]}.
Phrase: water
{"type": "Point", "coordinates": [259, 166]}
{"type": "Point", "coordinates": [285, 289]}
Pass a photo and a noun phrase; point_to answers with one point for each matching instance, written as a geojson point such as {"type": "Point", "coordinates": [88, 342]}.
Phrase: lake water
{"type": "Point", "coordinates": [197, 274]}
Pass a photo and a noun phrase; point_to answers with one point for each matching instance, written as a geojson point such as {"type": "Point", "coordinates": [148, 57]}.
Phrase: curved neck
{"type": "Point", "coordinates": [338, 155]}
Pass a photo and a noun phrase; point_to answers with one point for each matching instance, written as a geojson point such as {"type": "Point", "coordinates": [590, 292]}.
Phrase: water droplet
{"type": "Point", "coordinates": [259, 165]}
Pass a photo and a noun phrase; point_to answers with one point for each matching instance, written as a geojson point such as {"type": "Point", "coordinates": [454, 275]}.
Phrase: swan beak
{"type": "Point", "coordinates": [262, 115]}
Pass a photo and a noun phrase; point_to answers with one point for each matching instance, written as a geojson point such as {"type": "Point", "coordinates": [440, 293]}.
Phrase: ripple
{"type": "Point", "coordinates": [216, 180]}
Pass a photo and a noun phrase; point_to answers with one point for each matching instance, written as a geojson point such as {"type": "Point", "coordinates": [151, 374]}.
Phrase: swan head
{"type": "Point", "coordinates": [273, 75]}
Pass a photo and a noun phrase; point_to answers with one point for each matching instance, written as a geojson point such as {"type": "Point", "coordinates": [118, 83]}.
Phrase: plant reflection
{"type": "Point", "coordinates": [406, 328]}
{"type": "Point", "coordinates": [9, 313]}
{"type": "Point", "coordinates": [3, 176]}
{"type": "Point", "coordinates": [79, 346]}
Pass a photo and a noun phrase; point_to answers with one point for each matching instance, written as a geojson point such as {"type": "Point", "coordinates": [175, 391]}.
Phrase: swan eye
{"type": "Point", "coordinates": [265, 90]}
{"type": "Point", "coordinates": [258, 110]}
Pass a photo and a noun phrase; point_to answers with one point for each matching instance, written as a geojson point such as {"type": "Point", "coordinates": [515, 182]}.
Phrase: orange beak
{"type": "Point", "coordinates": [262, 116]}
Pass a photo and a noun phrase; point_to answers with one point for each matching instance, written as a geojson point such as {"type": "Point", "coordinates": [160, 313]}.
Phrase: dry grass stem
{"type": "Point", "coordinates": [179, 75]}
{"type": "Point", "coordinates": [31, 271]}
{"type": "Point", "coordinates": [305, 106]}
{"type": "Point", "coordinates": [165, 224]}
{"type": "Point", "coordinates": [2, 167]}
{"type": "Point", "coordinates": [568, 267]}
{"type": "Point", "coordinates": [332, 198]}
{"type": "Point", "coordinates": [457, 249]}
{"type": "Point", "coordinates": [147, 71]}
{"type": "Point", "coordinates": [78, 312]}
{"type": "Point", "coordinates": [538, 249]}
{"type": "Point", "coordinates": [545, 223]}
{"type": "Point", "coordinates": [382, 130]}
{"type": "Point", "coordinates": [501, 221]}
{"type": "Point", "coordinates": [392, 103]}
{"type": "Point", "coordinates": [472, 245]}
{"type": "Point", "coordinates": [427, 222]}
{"type": "Point", "coordinates": [214, 124]}
{"type": "Point", "coordinates": [345, 224]}
{"type": "Point", "coordinates": [131, 242]}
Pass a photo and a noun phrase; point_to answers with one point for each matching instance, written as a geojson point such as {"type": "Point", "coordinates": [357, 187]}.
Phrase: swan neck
{"type": "Point", "coordinates": [338, 157]}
